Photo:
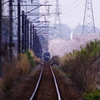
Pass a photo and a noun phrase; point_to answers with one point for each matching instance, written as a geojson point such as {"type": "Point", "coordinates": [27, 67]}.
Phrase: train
{"type": "Point", "coordinates": [46, 56]}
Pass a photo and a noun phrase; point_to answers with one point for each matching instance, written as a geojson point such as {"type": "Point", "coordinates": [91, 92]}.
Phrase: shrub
{"type": "Point", "coordinates": [79, 65]}
{"type": "Point", "coordinates": [55, 60]}
{"type": "Point", "coordinates": [30, 56]}
{"type": "Point", "coordinates": [17, 70]}
{"type": "Point", "coordinates": [93, 96]}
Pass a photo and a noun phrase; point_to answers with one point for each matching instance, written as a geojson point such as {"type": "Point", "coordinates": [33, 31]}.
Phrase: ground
{"type": "Point", "coordinates": [24, 89]}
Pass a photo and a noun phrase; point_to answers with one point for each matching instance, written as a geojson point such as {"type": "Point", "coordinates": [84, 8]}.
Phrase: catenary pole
{"type": "Point", "coordinates": [11, 29]}
{"type": "Point", "coordinates": [0, 37]}
{"type": "Point", "coordinates": [18, 12]}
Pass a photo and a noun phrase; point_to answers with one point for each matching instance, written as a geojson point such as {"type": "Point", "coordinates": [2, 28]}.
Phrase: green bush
{"type": "Point", "coordinates": [93, 96]}
{"type": "Point", "coordinates": [81, 68]}
{"type": "Point", "coordinates": [30, 58]}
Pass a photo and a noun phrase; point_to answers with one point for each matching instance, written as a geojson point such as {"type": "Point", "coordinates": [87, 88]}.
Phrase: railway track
{"type": "Point", "coordinates": [46, 87]}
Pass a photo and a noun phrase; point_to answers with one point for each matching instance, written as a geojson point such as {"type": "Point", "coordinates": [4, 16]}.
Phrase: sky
{"type": "Point", "coordinates": [73, 11]}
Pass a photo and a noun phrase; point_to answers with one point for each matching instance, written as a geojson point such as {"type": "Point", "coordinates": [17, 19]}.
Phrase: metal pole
{"type": "Point", "coordinates": [35, 41]}
{"type": "Point", "coordinates": [36, 44]}
{"type": "Point", "coordinates": [0, 37]}
{"type": "Point", "coordinates": [11, 29]}
{"type": "Point", "coordinates": [23, 32]}
{"type": "Point", "coordinates": [27, 35]}
{"type": "Point", "coordinates": [40, 50]}
{"type": "Point", "coordinates": [19, 44]}
{"type": "Point", "coordinates": [31, 36]}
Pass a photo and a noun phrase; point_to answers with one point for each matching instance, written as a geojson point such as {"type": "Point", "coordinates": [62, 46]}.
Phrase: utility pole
{"type": "Point", "coordinates": [31, 36]}
{"type": "Point", "coordinates": [88, 21]}
{"type": "Point", "coordinates": [11, 29]}
{"type": "Point", "coordinates": [34, 41]}
{"type": "Point", "coordinates": [18, 12]}
{"type": "Point", "coordinates": [0, 37]}
{"type": "Point", "coordinates": [23, 32]}
{"type": "Point", "coordinates": [27, 36]}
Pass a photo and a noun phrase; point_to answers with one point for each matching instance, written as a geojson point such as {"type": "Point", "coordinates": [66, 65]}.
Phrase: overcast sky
{"type": "Point", "coordinates": [73, 11]}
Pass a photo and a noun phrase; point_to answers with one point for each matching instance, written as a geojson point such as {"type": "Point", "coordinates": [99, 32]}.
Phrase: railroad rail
{"type": "Point", "coordinates": [35, 92]}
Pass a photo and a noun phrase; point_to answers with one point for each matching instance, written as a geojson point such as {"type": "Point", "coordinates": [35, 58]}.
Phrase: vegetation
{"type": "Point", "coordinates": [13, 72]}
{"type": "Point", "coordinates": [17, 70]}
{"type": "Point", "coordinates": [30, 58]}
{"type": "Point", "coordinates": [55, 60]}
{"type": "Point", "coordinates": [80, 66]}
{"type": "Point", "coordinates": [93, 96]}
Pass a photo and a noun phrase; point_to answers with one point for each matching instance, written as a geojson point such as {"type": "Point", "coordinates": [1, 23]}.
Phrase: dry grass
{"type": "Point", "coordinates": [0, 85]}
{"type": "Point", "coordinates": [13, 72]}
{"type": "Point", "coordinates": [1, 91]}
{"type": "Point", "coordinates": [36, 59]}
{"type": "Point", "coordinates": [23, 64]}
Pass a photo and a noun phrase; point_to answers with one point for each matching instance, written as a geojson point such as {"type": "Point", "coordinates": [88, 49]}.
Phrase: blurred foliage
{"type": "Point", "coordinates": [93, 96]}
{"type": "Point", "coordinates": [30, 58]}
{"type": "Point", "coordinates": [80, 67]}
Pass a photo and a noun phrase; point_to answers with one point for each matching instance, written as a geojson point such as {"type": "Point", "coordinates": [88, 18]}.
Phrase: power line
{"type": "Point", "coordinates": [74, 7]}
{"type": "Point", "coordinates": [71, 4]}
{"type": "Point", "coordinates": [67, 2]}
{"type": "Point", "coordinates": [74, 13]}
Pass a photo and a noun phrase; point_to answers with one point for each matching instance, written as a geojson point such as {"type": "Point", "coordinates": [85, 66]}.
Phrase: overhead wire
{"type": "Point", "coordinates": [66, 2]}
{"type": "Point", "coordinates": [70, 12]}
{"type": "Point", "coordinates": [73, 3]}
{"type": "Point", "coordinates": [73, 7]}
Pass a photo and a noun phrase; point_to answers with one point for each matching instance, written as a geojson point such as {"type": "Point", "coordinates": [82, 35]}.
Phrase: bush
{"type": "Point", "coordinates": [55, 60]}
{"type": "Point", "coordinates": [17, 70]}
{"type": "Point", "coordinates": [30, 58]}
{"type": "Point", "coordinates": [93, 96]}
{"type": "Point", "coordinates": [79, 65]}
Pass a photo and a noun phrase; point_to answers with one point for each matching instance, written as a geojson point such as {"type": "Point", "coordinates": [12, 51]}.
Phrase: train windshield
{"type": "Point", "coordinates": [46, 56]}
